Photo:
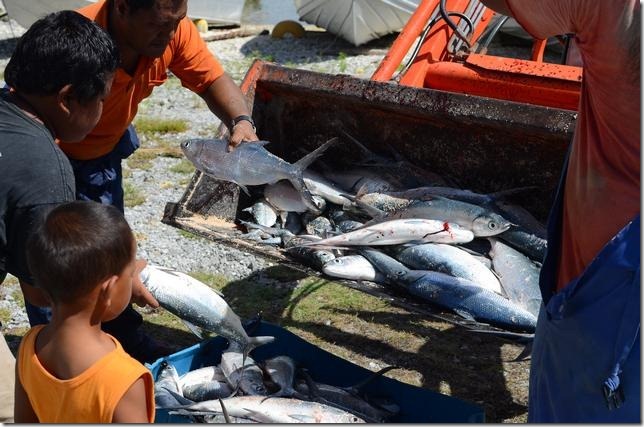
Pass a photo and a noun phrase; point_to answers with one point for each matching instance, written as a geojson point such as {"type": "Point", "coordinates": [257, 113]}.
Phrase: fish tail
{"type": "Point", "coordinates": [254, 342]}
{"type": "Point", "coordinates": [306, 161]}
{"type": "Point", "coordinates": [307, 197]}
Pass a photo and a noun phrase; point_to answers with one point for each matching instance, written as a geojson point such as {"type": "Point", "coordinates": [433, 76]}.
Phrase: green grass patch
{"type": "Point", "coordinates": [142, 159]}
{"type": "Point", "coordinates": [150, 126]}
{"type": "Point", "coordinates": [187, 234]}
{"type": "Point", "coordinates": [5, 315]}
{"type": "Point", "coordinates": [256, 54]}
{"type": "Point", "coordinates": [17, 296]}
{"type": "Point", "coordinates": [133, 195]}
{"type": "Point", "coordinates": [215, 281]}
{"type": "Point", "coordinates": [342, 65]}
{"type": "Point", "coordinates": [183, 167]}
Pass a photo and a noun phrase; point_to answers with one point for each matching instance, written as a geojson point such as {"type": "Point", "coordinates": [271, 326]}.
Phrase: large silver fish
{"type": "Point", "coordinates": [281, 370]}
{"type": "Point", "coordinates": [242, 372]}
{"type": "Point", "coordinates": [286, 198]}
{"type": "Point", "coordinates": [519, 276]}
{"type": "Point", "coordinates": [482, 221]}
{"type": "Point", "coordinates": [276, 410]}
{"type": "Point", "coordinates": [467, 299]}
{"type": "Point", "coordinates": [167, 381]}
{"type": "Point", "coordinates": [450, 260]}
{"type": "Point", "coordinates": [250, 163]}
{"type": "Point", "coordinates": [324, 188]}
{"type": "Point", "coordinates": [399, 231]}
{"type": "Point", "coordinates": [201, 375]}
{"type": "Point", "coordinates": [263, 213]}
{"type": "Point", "coordinates": [197, 304]}
{"type": "Point", "coordinates": [352, 267]}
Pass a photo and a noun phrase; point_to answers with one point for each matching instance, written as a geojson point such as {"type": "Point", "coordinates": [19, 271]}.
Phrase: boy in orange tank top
{"type": "Point", "coordinates": [83, 258]}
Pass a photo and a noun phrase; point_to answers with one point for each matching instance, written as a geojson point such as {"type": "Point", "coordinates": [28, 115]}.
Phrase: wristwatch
{"type": "Point", "coordinates": [238, 119]}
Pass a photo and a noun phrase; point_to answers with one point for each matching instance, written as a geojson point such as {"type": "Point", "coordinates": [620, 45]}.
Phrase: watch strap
{"type": "Point", "coordinates": [239, 118]}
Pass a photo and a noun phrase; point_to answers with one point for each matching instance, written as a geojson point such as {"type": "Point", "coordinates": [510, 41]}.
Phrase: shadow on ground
{"type": "Point", "coordinates": [449, 359]}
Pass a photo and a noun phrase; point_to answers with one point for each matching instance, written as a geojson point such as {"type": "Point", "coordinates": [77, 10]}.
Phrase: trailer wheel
{"type": "Point", "coordinates": [283, 27]}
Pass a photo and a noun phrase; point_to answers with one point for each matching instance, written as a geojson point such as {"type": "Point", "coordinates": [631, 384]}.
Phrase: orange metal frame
{"type": "Point", "coordinates": [527, 81]}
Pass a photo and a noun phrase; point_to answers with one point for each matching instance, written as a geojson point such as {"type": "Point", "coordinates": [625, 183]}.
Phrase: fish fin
{"type": "Point", "coordinates": [305, 161]}
{"type": "Point", "coordinates": [183, 401]}
{"type": "Point", "coordinates": [224, 411]}
{"type": "Point", "coordinates": [525, 354]}
{"type": "Point", "coordinates": [373, 212]}
{"type": "Point", "coordinates": [305, 194]}
{"type": "Point", "coordinates": [261, 143]}
{"type": "Point", "coordinates": [464, 314]}
{"type": "Point", "coordinates": [254, 342]}
{"type": "Point", "coordinates": [258, 416]}
{"type": "Point", "coordinates": [357, 388]}
{"type": "Point", "coordinates": [243, 187]}
{"type": "Point", "coordinates": [248, 209]}
{"type": "Point", "coordinates": [194, 329]}
{"type": "Point", "coordinates": [315, 245]}
{"type": "Point", "coordinates": [362, 191]}
{"type": "Point", "coordinates": [303, 418]}
{"type": "Point", "coordinates": [370, 156]}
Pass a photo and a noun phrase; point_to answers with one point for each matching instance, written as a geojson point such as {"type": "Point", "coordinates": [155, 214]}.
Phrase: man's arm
{"type": "Point", "coordinates": [226, 100]}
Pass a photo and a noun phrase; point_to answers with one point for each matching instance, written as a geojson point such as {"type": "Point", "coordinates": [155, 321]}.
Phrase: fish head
{"type": "Point", "coordinates": [349, 418]}
{"type": "Point", "coordinates": [336, 265]}
{"type": "Point", "coordinates": [192, 148]}
{"type": "Point", "coordinates": [490, 225]}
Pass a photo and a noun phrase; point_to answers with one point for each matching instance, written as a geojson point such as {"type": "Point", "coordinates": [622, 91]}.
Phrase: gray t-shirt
{"type": "Point", "coordinates": [35, 176]}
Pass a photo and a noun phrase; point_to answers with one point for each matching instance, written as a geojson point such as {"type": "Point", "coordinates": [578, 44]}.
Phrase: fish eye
{"type": "Point", "coordinates": [400, 273]}
{"type": "Point", "coordinates": [492, 225]}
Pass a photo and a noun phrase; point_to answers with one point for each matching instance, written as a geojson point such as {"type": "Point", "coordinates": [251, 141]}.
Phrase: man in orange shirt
{"type": "Point", "coordinates": [153, 36]}
{"type": "Point", "coordinates": [586, 354]}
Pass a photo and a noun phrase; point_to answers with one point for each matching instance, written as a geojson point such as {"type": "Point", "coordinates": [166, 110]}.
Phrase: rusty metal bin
{"type": "Point", "coordinates": [480, 144]}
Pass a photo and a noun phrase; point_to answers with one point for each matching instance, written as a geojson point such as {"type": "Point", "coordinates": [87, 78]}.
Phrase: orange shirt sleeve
{"type": "Point", "coordinates": [192, 62]}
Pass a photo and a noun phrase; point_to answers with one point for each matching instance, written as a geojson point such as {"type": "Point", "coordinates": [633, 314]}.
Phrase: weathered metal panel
{"type": "Point", "coordinates": [481, 144]}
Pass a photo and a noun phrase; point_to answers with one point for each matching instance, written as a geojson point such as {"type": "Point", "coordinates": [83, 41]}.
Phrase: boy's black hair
{"type": "Point", "coordinates": [60, 49]}
{"type": "Point", "coordinates": [76, 247]}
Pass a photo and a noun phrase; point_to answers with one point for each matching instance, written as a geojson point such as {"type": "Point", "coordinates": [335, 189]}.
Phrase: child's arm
{"type": "Point", "coordinates": [133, 406]}
{"type": "Point", "coordinates": [23, 412]}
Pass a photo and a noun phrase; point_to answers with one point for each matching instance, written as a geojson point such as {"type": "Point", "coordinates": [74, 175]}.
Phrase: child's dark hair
{"type": "Point", "coordinates": [60, 49]}
{"type": "Point", "coordinates": [77, 246]}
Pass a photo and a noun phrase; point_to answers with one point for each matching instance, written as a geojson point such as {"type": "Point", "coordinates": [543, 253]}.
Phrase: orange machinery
{"type": "Point", "coordinates": [447, 59]}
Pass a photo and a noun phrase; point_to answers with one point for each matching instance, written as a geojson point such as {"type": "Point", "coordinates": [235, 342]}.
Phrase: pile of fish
{"type": "Point", "coordinates": [240, 389]}
{"type": "Point", "coordinates": [385, 220]}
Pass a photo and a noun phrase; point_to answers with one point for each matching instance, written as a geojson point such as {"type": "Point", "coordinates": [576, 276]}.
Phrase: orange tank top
{"type": "Point", "coordinates": [90, 397]}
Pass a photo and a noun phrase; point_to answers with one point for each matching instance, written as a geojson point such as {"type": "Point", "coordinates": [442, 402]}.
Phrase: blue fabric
{"type": "Point", "coordinates": [586, 352]}
{"type": "Point", "coordinates": [101, 179]}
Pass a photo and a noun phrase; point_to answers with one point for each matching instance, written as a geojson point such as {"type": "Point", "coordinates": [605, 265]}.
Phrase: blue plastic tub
{"type": "Point", "coordinates": [417, 405]}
